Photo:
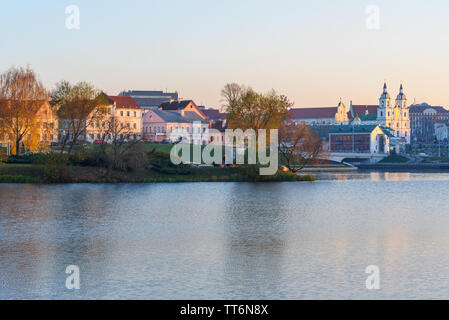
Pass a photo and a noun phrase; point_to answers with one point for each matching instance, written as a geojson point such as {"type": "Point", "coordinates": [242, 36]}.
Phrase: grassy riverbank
{"type": "Point", "coordinates": [34, 173]}
{"type": "Point", "coordinates": [41, 173]}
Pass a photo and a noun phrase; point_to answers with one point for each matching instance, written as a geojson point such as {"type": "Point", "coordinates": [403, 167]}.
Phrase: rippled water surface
{"type": "Point", "coordinates": [229, 240]}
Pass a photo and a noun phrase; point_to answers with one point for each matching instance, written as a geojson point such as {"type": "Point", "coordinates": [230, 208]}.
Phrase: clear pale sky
{"type": "Point", "coordinates": [313, 51]}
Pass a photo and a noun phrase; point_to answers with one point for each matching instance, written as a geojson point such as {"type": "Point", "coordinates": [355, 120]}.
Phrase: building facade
{"type": "Point", "coordinates": [423, 120]}
{"type": "Point", "coordinates": [395, 116]}
{"type": "Point", "coordinates": [367, 139]}
{"type": "Point", "coordinates": [41, 134]}
{"type": "Point", "coordinates": [172, 126]}
{"type": "Point", "coordinates": [320, 116]}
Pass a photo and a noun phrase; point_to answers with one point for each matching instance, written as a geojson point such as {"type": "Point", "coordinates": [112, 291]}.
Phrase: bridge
{"type": "Point", "coordinates": [372, 157]}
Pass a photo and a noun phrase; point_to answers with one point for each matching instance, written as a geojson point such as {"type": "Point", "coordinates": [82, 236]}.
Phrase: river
{"type": "Point", "coordinates": [229, 240]}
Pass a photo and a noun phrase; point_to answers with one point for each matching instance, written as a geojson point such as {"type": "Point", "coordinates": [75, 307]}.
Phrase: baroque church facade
{"type": "Point", "coordinates": [395, 116]}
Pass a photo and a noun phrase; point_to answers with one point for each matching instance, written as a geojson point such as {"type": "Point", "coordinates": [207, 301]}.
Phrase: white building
{"type": "Point", "coordinates": [441, 131]}
{"type": "Point", "coordinates": [397, 116]}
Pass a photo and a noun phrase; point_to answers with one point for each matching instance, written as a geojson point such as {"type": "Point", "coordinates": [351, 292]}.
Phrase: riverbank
{"type": "Point", "coordinates": [405, 166]}
{"type": "Point", "coordinates": [36, 173]}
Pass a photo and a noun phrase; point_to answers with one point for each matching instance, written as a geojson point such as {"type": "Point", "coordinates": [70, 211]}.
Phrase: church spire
{"type": "Point", "coordinates": [401, 99]}
{"type": "Point", "coordinates": [384, 100]}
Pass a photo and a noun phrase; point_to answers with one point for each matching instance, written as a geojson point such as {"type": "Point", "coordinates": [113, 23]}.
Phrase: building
{"type": "Point", "coordinates": [320, 116]}
{"type": "Point", "coordinates": [441, 131]}
{"type": "Point", "coordinates": [218, 135]}
{"type": "Point", "coordinates": [171, 125]}
{"type": "Point", "coordinates": [150, 99]}
{"type": "Point", "coordinates": [423, 120]}
{"type": "Point", "coordinates": [361, 110]}
{"type": "Point", "coordinates": [184, 108]}
{"type": "Point", "coordinates": [42, 133]}
{"type": "Point", "coordinates": [395, 117]}
{"type": "Point", "coordinates": [121, 120]}
{"type": "Point", "coordinates": [214, 115]}
{"type": "Point", "coordinates": [368, 139]}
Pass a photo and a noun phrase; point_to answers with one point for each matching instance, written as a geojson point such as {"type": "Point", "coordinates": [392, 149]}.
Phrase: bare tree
{"type": "Point", "coordinates": [21, 95]}
{"type": "Point", "coordinates": [78, 107]}
{"type": "Point", "coordinates": [117, 139]}
{"type": "Point", "coordinates": [231, 95]}
{"type": "Point", "coordinates": [299, 146]}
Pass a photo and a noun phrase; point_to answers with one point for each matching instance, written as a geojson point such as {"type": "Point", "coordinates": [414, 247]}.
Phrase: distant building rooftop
{"type": "Point", "coordinates": [150, 99]}
{"type": "Point", "coordinates": [324, 131]}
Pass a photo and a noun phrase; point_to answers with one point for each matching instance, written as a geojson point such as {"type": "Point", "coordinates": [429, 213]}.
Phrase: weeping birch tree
{"type": "Point", "coordinates": [22, 95]}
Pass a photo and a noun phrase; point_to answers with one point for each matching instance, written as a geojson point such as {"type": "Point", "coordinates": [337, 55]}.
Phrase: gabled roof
{"type": "Point", "coordinates": [312, 113]}
{"type": "Point", "coordinates": [173, 116]}
{"type": "Point", "coordinates": [124, 102]}
{"type": "Point", "coordinates": [175, 105]}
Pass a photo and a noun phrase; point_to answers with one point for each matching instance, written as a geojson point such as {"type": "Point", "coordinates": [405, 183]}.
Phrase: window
{"type": "Point", "coordinates": [135, 126]}
{"type": "Point", "coordinates": [127, 113]}
{"type": "Point", "coordinates": [135, 114]}
{"type": "Point", "coordinates": [121, 113]}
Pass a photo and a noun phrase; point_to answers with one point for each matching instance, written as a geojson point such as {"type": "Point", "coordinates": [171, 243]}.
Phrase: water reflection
{"type": "Point", "coordinates": [228, 240]}
{"type": "Point", "coordinates": [256, 238]}
{"type": "Point", "coordinates": [380, 176]}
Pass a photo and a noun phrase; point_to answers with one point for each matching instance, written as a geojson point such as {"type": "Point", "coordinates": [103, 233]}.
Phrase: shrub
{"type": "Point", "coordinates": [19, 179]}
{"type": "Point", "coordinates": [307, 177]}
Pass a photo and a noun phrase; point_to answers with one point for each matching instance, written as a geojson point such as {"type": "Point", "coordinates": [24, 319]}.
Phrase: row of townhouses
{"type": "Point", "coordinates": [171, 120]}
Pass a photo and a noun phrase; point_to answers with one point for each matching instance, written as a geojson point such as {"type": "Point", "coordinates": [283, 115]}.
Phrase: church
{"type": "Point", "coordinates": [394, 117]}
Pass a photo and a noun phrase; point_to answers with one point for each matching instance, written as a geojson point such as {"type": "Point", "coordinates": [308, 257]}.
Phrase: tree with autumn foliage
{"type": "Point", "coordinates": [248, 109]}
{"type": "Point", "coordinates": [22, 95]}
{"type": "Point", "coordinates": [299, 146]}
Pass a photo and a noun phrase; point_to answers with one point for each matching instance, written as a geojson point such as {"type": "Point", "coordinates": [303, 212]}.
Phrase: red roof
{"type": "Point", "coordinates": [311, 113]}
{"type": "Point", "coordinates": [124, 102]}
{"type": "Point", "coordinates": [360, 109]}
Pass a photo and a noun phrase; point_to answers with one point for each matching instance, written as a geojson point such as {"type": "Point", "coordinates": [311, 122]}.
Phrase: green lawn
{"type": "Point", "coordinates": [395, 159]}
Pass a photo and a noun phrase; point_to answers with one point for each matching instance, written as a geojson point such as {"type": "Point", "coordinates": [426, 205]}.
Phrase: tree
{"type": "Point", "coordinates": [78, 107]}
{"type": "Point", "coordinates": [117, 140]}
{"type": "Point", "coordinates": [299, 146]}
{"type": "Point", "coordinates": [248, 109]}
{"type": "Point", "coordinates": [22, 95]}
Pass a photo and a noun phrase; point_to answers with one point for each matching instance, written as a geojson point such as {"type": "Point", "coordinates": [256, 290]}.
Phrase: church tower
{"type": "Point", "coordinates": [400, 121]}
{"type": "Point", "coordinates": [384, 111]}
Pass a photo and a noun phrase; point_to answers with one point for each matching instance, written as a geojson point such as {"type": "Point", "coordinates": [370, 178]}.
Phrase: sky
{"type": "Point", "coordinates": [315, 52]}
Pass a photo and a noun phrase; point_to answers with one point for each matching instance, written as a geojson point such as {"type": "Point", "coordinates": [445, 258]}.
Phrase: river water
{"type": "Point", "coordinates": [229, 240]}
